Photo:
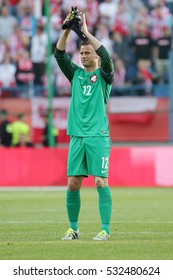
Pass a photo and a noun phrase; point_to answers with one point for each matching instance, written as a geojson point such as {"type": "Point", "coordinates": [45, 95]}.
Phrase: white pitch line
{"type": "Point", "coordinates": [81, 222]}
{"type": "Point", "coordinates": [33, 188]}
{"type": "Point", "coordinates": [121, 233]}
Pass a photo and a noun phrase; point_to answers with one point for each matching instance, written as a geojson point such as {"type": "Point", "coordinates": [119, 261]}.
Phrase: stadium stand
{"type": "Point", "coordinates": [132, 31]}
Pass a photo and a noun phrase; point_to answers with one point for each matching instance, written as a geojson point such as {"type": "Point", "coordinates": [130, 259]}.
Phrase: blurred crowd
{"type": "Point", "coordinates": [137, 34]}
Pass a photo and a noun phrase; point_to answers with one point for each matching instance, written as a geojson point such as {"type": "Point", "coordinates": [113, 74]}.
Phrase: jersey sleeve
{"type": "Point", "coordinates": [65, 63]}
{"type": "Point", "coordinates": [106, 67]}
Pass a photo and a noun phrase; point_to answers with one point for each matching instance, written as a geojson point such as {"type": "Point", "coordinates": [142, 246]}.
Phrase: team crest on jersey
{"type": "Point", "coordinates": [94, 78]}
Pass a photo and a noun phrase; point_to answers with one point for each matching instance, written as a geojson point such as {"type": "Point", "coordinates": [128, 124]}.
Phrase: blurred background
{"type": "Point", "coordinates": [35, 95]}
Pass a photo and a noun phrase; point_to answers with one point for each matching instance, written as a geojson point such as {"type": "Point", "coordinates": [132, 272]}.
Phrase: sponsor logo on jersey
{"type": "Point", "coordinates": [94, 78]}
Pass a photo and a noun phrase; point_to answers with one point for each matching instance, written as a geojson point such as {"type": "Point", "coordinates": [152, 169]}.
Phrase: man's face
{"type": "Point", "coordinates": [88, 56]}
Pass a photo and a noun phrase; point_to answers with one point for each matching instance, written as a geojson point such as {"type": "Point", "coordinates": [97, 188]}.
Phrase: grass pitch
{"type": "Point", "coordinates": [32, 223]}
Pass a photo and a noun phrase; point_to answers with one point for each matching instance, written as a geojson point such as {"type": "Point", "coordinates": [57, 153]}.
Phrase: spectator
{"type": "Point", "coordinates": [133, 7]}
{"type": "Point", "coordinates": [146, 76]}
{"type": "Point", "coordinates": [120, 47]}
{"type": "Point", "coordinates": [92, 13]}
{"type": "Point", "coordinates": [55, 133]}
{"type": "Point", "coordinates": [55, 25]}
{"type": "Point", "coordinates": [5, 136]}
{"type": "Point", "coordinates": [7, 23]}
{"type": "Point", "coordinates": [121, 50]}
{"type": "Point", "coordinates": [20, 42]}
{"type": "Point", "coordinates": [103, 35]}
{"type": "Point", "coordinates": [62, 84]}
{"type": "Point", "coordinates": [24, 73]}
{"type": "Point", "coordinates": [38, 54]}
{"type": "Point", "coordinates": [142, 17]}
{"type": "Point", "coordinates": [142, 43]}
{"type": "Point", "coordinates": [119, 77]}
{"type": "Point", "coordinates": [160, 16]}
{"type": "Point", "coordinates": [123, 20]}
{"type": "Point", "coordinates": [107, 12]}
{"type": "Point", "coordinates": [7, 75]}
{"type": "Point", "coordinates": [28, 22]}
{"type": "Point", "coordinates": [20, 132]}
{"type": "Point", "coordinates": [163, 47]}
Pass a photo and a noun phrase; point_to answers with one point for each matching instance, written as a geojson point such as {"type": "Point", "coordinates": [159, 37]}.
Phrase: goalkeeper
{"type": "Point", "coordinates": [88, 126]}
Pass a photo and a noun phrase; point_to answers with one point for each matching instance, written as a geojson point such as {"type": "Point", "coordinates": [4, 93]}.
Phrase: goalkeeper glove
{"type": "Point", "coordinates": [74, 24]}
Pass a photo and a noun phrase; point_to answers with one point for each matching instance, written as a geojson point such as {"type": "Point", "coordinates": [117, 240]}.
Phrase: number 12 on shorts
{"type": "Point", "coordinates": [105, 162]}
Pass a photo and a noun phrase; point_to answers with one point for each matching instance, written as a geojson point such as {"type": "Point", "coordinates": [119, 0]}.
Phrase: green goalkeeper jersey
{"type": "Point", "coordinates": [90, 94]}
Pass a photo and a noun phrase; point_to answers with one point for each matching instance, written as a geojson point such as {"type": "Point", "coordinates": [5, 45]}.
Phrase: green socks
{"type": "Point", "coordinates": [73, 207]}
{"type": "Point", "coordinates": [105, 207]}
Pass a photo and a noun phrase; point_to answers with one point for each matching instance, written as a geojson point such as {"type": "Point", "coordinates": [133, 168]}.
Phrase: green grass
{"type": "Point", "coordinates": [33, 222]}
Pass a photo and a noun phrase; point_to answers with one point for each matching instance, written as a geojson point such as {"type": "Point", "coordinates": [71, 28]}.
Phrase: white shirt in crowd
{"type": "Point", "coordinates": [39, 48]}
{"type": "Point", "coordinates": [7, 74]}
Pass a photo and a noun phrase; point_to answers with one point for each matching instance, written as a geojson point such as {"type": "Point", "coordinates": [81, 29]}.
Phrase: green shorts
{"type": "Point", "coordinates": [89, 156]}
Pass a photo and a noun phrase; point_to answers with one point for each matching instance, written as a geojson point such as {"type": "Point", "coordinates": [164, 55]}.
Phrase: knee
{"type": "Point", "coordinates": [99, 182]}
{"type": "Point", "coordinates": [73, 184]}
